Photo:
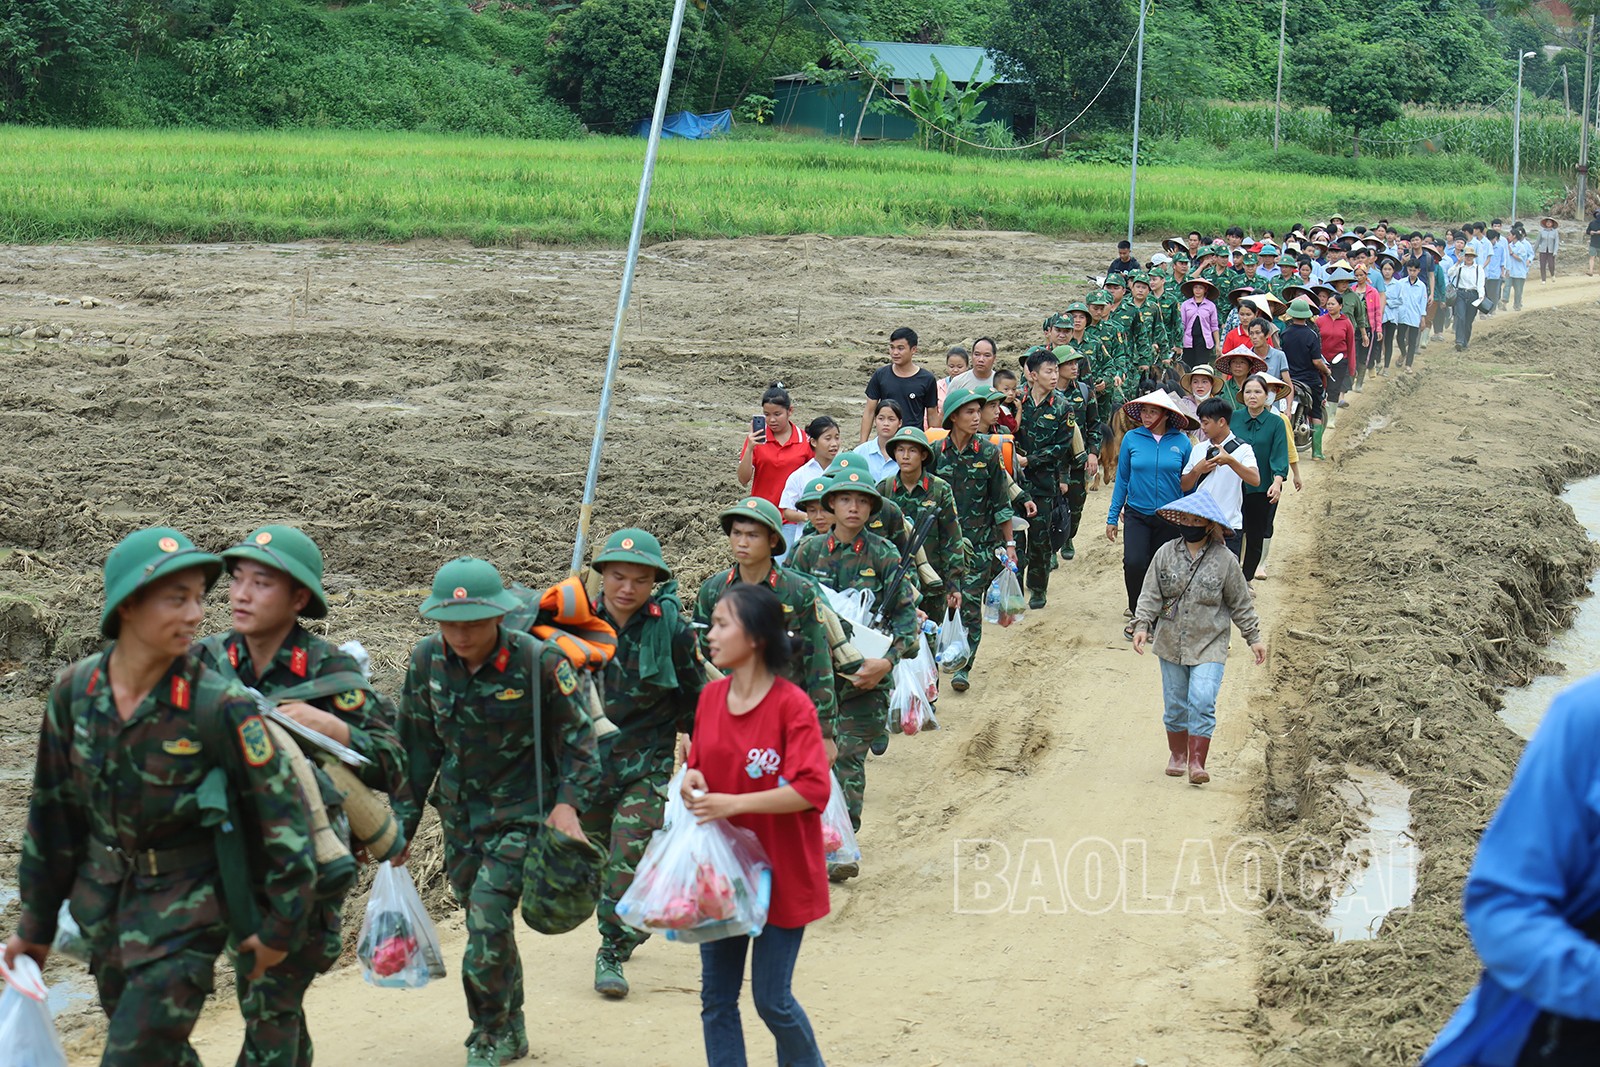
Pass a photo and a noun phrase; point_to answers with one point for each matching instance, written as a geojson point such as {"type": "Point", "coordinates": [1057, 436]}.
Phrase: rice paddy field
{"type": "Point", "coordinates": [59, 185]}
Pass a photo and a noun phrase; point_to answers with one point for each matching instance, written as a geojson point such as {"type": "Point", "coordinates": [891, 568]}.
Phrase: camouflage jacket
{"type": "Point", "coordinates": [102, 784]}
{"type": "Point", "coordinates": [303, 657]}
{"type": "Point", "coordinates": [978, 480]}
{"type": "Point", "coordinates": [866, 563]}
{"type": "Point", "coordinates": [1149, 334]}
{"type": "Point", "coordinates": [1169, 306]}
{"type": "Point", "coordinates": [1081, 400]}
{"type": "Point", "coordinates": [889, 523]}
{"type": "Point", "coordinates": [943, 545]}
{"type": "Point", "coordinates": [648, 714]}
{"type": "Point", "coordinates": [470, 741]}
{"type": "Point", "coordinates": [811, 667]}
{"type": "Point", "coordinates": [1044, 434]}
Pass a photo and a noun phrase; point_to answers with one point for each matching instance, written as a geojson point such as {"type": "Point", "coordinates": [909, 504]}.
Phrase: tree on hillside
{"type": "Point", "coordinates": [1062, 51]}
{"type": "Point", "coordinates": [48, 50]}
{"type": "Point", "coordinates": [1359, 91]}
{"type": "Point", "coordinates": [605, 59]}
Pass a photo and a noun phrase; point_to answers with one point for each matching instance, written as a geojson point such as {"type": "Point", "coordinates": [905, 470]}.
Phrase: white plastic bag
{"type": "Point", "coordinates": [954, 650]}
{"type": "Point", "coordinates": [427, 936]}
{"type": "Point", "coordinates": [1003, 603]}
{"type": "Point", "coordinates": [69, 940]}
{"type": "Point", "coordinates": [910, 711]}
{"type": "Point", "coordinates": [27, 1032]}
{"type": "Point", "coordinates": [699, 881]}
{"type": "Point", "coordinates": [390, 947]}
{"type": "Point", "coordinates": [838, 836]}
{"type": "Point", "coordinates": [927, 669]}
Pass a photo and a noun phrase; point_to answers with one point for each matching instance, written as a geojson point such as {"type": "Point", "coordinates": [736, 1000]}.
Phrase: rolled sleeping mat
{"type": "Point", "coordinates": [336, 867]}
{"type": "Point", "coordinates": [372, 824]}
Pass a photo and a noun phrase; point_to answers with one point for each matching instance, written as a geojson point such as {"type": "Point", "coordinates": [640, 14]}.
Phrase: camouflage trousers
{"type": "Point", "coordinates": [485, 873]}
{"type": "Point", "coordinates": [862, 714]}
{"type": "Point", "coordinates": [1033, 544]}
{"type": "Point", "coordinates": [273, 1006]}
{"type": "Point", "coordinates": [976, 584]}
{"type": "Point", "coordinates": [153, 1007]}
{"type": "Point", "coordinates": [1077, 494]}
{"type": "Point", "coordinates": [626, 812]}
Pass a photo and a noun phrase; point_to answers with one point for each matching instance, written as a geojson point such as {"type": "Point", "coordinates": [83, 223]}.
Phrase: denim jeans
{"type": "Point", "coordinates": [771, 968]}
{"type": "Point", "coordinates": [1190, 694]}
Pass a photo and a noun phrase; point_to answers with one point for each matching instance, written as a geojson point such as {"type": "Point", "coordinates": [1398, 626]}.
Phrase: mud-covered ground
{"type": "Point", "coordinates": [409, 405]}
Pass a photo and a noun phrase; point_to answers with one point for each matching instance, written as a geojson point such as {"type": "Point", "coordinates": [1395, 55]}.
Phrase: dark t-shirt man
{"type": "Point", "coordinates": [1123, 266]}
{"type": "Point", "coordinates": [915, 394]}
{"type": "Point", "coordinates": [1593, 230]}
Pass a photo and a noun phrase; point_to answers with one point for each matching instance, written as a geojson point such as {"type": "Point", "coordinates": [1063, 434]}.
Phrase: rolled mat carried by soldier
{"type": "Point", "coordinates": [852, 558]}
{"type": "Point", "coordinates": [276, 579]}
{"type": "Point", "coordinates": [181, 750]}
{"type": "Point", "coordinates": [651, 687]}
{"type": "Point", "coordinates": [484, 705]}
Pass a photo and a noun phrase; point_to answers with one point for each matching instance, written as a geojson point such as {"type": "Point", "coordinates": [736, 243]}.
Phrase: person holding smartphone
{"type": "Point", "coordinates": [774, 448]}
{"type": "Point", "coordinates": [757, 760]}
{"type": "Point", "coordinates": [1222, 468]}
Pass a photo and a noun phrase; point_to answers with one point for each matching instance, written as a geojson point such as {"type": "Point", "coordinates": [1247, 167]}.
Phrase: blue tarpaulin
{"type": "Point", "coordinates": [691, 127]}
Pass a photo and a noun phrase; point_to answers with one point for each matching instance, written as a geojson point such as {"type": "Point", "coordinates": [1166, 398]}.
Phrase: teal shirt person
{"type": "Point", "coordinates": [1269, 438]}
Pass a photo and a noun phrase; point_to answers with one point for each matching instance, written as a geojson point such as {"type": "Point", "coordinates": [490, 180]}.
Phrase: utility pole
{"type": "Point", "coordinates": [1138, 93]}
{"type": "Point", "coordinates": [1277, 110]}
{"type": "Point", "coordinates": [1583, 130]}
{"type": "Point", "coordinates": [1566, 91]}
{"type": "Point", "coordinates": [1516, 135]}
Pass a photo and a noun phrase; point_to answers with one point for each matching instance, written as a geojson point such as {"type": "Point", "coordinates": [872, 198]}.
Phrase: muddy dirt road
{"type": "Point", "coordinates": [408, 405]}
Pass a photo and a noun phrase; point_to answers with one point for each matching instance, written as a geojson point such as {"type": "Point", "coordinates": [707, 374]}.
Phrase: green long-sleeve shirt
{"type": "Point", "coordinates": [1267, 436]}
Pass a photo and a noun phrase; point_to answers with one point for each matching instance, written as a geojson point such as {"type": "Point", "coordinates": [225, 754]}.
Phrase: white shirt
{"type": "Point", "coordinates": [1224, 484]}
{"type": "Point", "coordinates": [791, 492]}
{"type": "Point", "coordinates": [1467, 276]}
{"type": "Point", "coordinates": [969, 379]}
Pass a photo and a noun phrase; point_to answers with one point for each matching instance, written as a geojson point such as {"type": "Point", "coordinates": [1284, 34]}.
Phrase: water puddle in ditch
{"type": "Point", "coordinates": [1383, 860]}
{"type": "Point", "coordinates": [1578, 646]}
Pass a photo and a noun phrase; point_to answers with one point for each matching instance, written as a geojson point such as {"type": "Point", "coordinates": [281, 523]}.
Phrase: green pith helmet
{"type": "Point", "coordinates": [1139, 276]}
{"type": "Point", "coordinates": [958, 399]}
{"type": "Point", "coordinates": [848, 463]}
{"type": "Point", "coordinates": [755, 508]}
{"type": "Point", "coordinates": [1180, 257]}
{"type": "Point", "coordinates": [1117, 279]}
{"type": "Point", "coordinates": [853, 481]}
{"type": "Point", "coordinates": [812, 493]}
{"type": "Point", "coordinates": [141, 558]}
{"type": "Point", "coordinates": [1076, 305]}
{"type": "Point", "coordinates": [1300, 309]}
{"type": "Point", "coordinates": [914, 436]}
{"type": "Point", "coordinates": [286, 549]}
{"type": "Point", "coordinates": [468, 590]}
{"type": "Point", "coordinates": [1058, 321]}
{"type": "Point", "coordinates": [634, 546]}
{"type": "Point", "coordinates": [1099, 296]}
{"type": "Point", "coordinates": [561, 881]}
{"type": "Point", "coordinates": [1068, 354]}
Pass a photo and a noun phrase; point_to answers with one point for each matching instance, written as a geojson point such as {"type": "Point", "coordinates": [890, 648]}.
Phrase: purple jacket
{"type": "Point", "coordinates": [1206, 312]}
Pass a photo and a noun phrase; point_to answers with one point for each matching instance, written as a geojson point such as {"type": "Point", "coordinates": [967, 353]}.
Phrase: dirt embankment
{"type": "Point", "coordinates": [1445, 563]}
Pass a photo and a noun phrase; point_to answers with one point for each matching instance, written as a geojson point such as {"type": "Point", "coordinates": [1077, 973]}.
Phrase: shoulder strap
{"type": "Point", "coordinates": [536, 649]}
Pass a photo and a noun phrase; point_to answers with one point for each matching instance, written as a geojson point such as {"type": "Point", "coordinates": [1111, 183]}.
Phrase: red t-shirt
{"type": "Point", "coordinates": [1338, 335]}
{"type": "Point", "coordinates": [774, 463]}
{"type": "Point", "coordinates": [780, 741]}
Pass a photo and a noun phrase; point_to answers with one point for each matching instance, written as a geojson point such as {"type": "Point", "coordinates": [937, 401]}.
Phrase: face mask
{"type": "Point", "coordinates": [1195, 534]}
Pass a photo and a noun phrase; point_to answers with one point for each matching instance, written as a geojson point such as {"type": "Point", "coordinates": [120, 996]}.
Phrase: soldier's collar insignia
{"type": "Point", "coordinates": [502, 658]}
{"type": "Point", "coordinates": [299, 662]}
{"type": "Point", "coordinates": [180, 693]}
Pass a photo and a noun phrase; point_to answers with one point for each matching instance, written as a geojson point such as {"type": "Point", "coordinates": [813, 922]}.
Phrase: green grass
{"type": "Point", "coordinates": [153, 186]}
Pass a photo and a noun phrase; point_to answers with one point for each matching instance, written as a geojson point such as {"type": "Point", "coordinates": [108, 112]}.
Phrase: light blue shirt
{"type": "Point", "coordinates": [1519, 258]}
{"type": "Point", "coordinates": [1535, 879]}
{"type": "Point", "coordinates": [1406, 302]}
{"type": "Point", "coordinates": [879, 466]}
{"type": "Point", "coordinates": [1495, 266]}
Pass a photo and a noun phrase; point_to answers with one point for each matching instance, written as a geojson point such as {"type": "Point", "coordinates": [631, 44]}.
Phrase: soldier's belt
{"type": "Point", "coordinates": [152, 862]}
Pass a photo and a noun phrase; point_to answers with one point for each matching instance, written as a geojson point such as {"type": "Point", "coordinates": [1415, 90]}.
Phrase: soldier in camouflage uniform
{"type": "Point", "coordinates": [852, 558]}
{"type": "Point", "coordinates": [1151, 331]}
{"type": "Point", "coordinates": [277, 577]}
{"type": "Point", "coordinates": [651, 687]}
{"type": "Point", "coordinates": [467, 722]}
{"type": "Point", "coordinates": [915, 491]}
{"type": "Point", "coordinates": [1048, 436]}
{"type": "Point", "coordinates": [1168, 309]}
{"type": "Point", "coordinates": [755, 534]}
{"type": "Point", "coordinates": [1105, 335]}
{"type": "Point", "coordinates": [1080, 399]}
{"type": "Point", "coordinates": [978, 479]}
{"type": "Point", "coordinates": [115, 821]}
{"type": "Point", "coordinates": [888, 522]}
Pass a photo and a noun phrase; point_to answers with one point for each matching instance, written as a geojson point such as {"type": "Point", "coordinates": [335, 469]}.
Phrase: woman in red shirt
{"type": "Point", "coordinates": [757, 760]}
{"type": "Point", "coordinates": [775, 451]}
{"type": "Point", "coordinates": [1338, 347]}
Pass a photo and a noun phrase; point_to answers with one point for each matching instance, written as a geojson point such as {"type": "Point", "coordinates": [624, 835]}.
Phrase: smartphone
{"type": "Point", "coordinates": [1212, 452]}
{"type": "Point", "coordinates": [758, 428]}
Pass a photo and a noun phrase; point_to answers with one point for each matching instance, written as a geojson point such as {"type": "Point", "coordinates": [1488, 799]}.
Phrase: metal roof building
{"type": "Point", "coordinates": [832, 110]}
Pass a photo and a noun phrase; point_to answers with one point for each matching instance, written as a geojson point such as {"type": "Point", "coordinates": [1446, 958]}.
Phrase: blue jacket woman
{"type": "Point", "coordinates": [1534, 884]}
{"type": "Point", "coordinates": [1149, 473]}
